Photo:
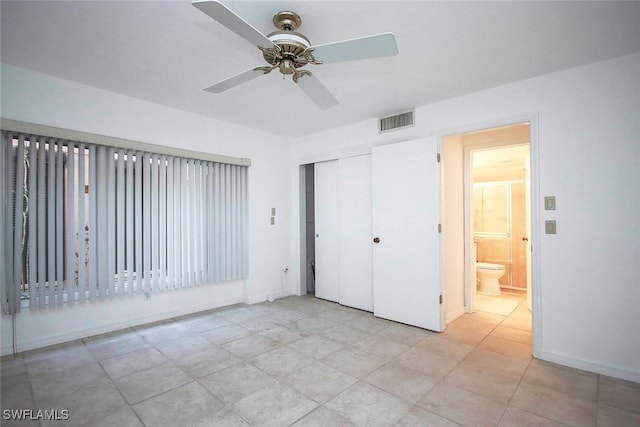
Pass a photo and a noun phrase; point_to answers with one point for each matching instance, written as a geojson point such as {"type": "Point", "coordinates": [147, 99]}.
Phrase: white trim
{"type": "Point", "coordinates": [586, 365]}
{"type": "Point", "coordinates": [91, 138]}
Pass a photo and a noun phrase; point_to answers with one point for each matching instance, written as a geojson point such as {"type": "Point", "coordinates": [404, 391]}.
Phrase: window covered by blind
{"type": "Point", "coordinates": [85, 221]}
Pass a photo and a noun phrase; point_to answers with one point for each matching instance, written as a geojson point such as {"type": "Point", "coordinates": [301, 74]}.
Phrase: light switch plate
{"type": "Point", "coordinates": [273, 220]}
{"type": "Point", "coordinates": [273, 211]}
{"type": "Point", "coordinates": [550, 227]}
{"type": "Point", "coordinates": [550, 203]}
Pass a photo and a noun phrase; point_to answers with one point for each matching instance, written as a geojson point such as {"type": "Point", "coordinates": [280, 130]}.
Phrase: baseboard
{"type": "Point", "coordinates": [453, 316]}
{"type": "Point", "coordinates": [265, 297]}
{"type": "Point", "coordinates": [7, 348]}
{"type": "Point", "coordinates": [598, 368]}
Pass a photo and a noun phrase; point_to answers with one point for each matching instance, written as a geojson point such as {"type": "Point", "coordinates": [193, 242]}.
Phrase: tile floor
{"type": "Point", "coordinates": [307, 362]}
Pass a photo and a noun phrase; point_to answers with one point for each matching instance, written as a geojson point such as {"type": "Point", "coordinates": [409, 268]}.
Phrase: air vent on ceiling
{"type": "Point", "coordinates": [399, 121]}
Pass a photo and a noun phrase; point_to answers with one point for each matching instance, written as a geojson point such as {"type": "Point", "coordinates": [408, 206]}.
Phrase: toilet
{"type": "Point", "coordinates": [488, 275]}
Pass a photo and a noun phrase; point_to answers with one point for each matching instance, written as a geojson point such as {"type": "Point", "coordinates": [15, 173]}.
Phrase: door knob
{"type": "Point", "coordinates": [376, 240]}
{"type": "Point", "coordinates": [525, 239]}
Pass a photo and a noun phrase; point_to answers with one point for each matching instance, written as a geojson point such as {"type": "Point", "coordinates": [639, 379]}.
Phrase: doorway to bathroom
{"type": "Point", "coordinates": [487, 214]}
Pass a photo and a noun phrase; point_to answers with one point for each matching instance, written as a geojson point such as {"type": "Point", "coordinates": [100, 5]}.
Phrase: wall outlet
{"type": "Point", "coordinates": [285, 269]}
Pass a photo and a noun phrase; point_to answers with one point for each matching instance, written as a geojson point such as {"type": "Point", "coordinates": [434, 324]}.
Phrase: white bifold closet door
{"type": "Point", "coordinates": [406, 209]}
{"type": "Point", "coordinates": [356, 252]}
{"type": "Point", "coordinates": [327, 260]}
{"type": "Point", "coordinates": [342, 193]}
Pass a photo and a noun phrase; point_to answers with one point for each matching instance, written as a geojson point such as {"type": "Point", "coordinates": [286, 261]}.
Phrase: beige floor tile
{"type": "Point", "coordinates": [401, 382]}
{"type": "Point", "coordinates": [116, 345]}
{"type": "Point", "coordinates": [70, 381]}
{"type": "Point", "coordinates": [285, 334]}
{"type": "Point", "coordinates": [180, 406]}
{"type": "Point", "coordinates": [476, 322]}
{"type": "Point", "coordinates": [276, 405]}
{"type": "Point", "coordinates": [281, 361]}
{"type": "Point", "coordinates": [151, 382]}
{"type": "Point", "coordinates": [316, 346]}
{"type": "Point", "coordinates": [517, 322]}
{"type": "Point", "coordinates": [345, 335]}
{"type": "Point", "coordinates": [404, 334]}
{"type": "Point", "coordinates": [251, 346]}
{"type": "Point", "coordinates": [225, 334]}
{"type": "Point", "coordinates": [613, 417]}
{"type": "Point", "coordinates": [420, 417]}
{"type": "Point", "coordinates": [619, 395]}
{"type": "Point", "coordinates": [235, 382]}
{"type": "Point", "coordinates": [486, 383]}
{"type": "Point", "coordinates": [369, 324]}
{"type": "Point", "coordinates": [319, 381]}
{"type": "Point", "coordinates": [129, 363]}
{"type": "Point", "coordinates": [222, 418]}
{"type": "Point", "coordinates": [506, 347]}
{"type": "Point", "coordinates": [353, 362]}
{"type": "Point", "coordinates": [366, 405]}
{"type": "Point", "coordinates": [462, 406]}
{"type": "Point", "coordinates": [563, 379]}
{"type": "Point", "coordinates": [462, 335]}
{"type": "Point", "coordinates": [512, 334]}
{"type": "Point", "coordinates": [555, 405]}
{"type": "Point", "coordinates": [496, 362]}
{"type": "Point", "coordinates": [202, 323]}
{"type": "Point", "coordinates": [323, 417]}
{"type": "Point", "coordinates": [206, 362]}
{"type": "Point", "coordinates": [380, 347]}
{"type": "Point", "coordinates": [514, 417]}
{"type": "Point", "coordinates": [89, 404]}
{"type": "Point", "coordinates": [123, 417]}
{"type": "Point", "coordinates": [184, 346]}
{"type": "Point", "coordinates": [445, 347]}
{"type": "Point", "coordinates": [426, 362]}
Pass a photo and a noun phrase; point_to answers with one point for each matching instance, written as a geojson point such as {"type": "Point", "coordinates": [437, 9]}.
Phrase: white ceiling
{"type": "Point", "coordinates": [166, 52]}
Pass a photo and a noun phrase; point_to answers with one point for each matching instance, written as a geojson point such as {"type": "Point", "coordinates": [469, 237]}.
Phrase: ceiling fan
{"type": "Point", "coordinates": [287, 51]}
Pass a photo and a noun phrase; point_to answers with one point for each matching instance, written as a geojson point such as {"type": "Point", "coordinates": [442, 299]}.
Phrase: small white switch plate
{"type": "Point", "coordinates": [550, 227]}
{"type": "Point", "coordinates": [550, 203]}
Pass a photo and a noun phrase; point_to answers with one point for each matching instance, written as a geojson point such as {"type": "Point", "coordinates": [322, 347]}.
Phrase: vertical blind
{"type": "Point", "coordinates": [85, 221]}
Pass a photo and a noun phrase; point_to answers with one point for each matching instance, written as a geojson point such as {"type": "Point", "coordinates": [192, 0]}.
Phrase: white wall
{"type": "Point", "coordinates": [41, 99]}
{"type": "Point", "coordinates": [587, 148]}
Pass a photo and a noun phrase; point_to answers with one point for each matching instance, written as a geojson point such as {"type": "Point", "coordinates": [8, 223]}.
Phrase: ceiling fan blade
{"type": "Point", "coordinates": [234, 81]}
{"type": "Point", "coordinates": [374, 46]}
{"type": "Point", "coordinates": [315, 90]}
{"type": "Point", "coordinates": [226, 17]}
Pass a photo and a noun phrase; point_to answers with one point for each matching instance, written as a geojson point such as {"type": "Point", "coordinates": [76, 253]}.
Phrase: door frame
{"type": "Point", "coordinates": [535, 215]}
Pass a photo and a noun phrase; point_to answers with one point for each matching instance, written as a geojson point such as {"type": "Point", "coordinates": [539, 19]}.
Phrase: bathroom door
{"type": "Point", "coordinates": [406, 209]}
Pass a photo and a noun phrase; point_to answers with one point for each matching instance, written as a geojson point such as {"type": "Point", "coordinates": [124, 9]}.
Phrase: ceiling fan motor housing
{"type": "Point", "coordinates": [292, 45]}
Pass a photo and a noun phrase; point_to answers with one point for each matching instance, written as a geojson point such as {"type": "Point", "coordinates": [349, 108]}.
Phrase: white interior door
{"type": "Point", "coordinates": [354, 188]}
{"type": "Point", "coordinates": [406, 210]}
{"type": "Point", "coordinates": [327, 230]}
